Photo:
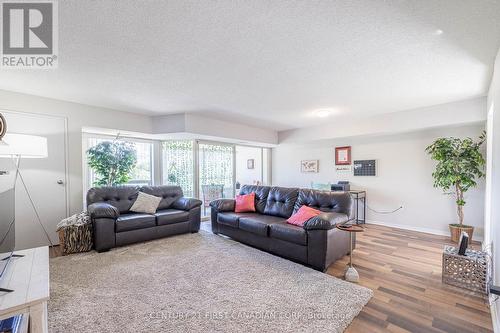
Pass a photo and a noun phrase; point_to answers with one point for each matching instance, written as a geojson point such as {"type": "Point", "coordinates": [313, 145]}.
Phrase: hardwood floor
{"type": "Point", "coordinates": [403, 268]}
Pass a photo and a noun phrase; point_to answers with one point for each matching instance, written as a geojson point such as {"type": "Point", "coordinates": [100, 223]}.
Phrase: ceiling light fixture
{"type": "Point", "coordinates": [438, 32]}
{"type": "Point", "coordinates": [323, 113]}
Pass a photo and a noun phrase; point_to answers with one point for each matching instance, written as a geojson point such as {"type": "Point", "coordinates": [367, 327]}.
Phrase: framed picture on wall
{"type": "Point", "coordinates": [343, 155]}
{"type": "Point", "coordinates": [251, 164]}
{"type": "Point", "coordinates": [309, 166]}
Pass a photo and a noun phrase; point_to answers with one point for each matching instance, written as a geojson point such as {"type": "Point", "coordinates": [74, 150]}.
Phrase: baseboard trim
{"type": "Point", "coordinates": [495, 317]}
{"type": "Point", "coordinates": [419, 229]}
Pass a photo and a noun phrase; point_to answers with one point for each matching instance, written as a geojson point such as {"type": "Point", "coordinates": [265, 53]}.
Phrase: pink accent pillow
{"type": "Point", "coordinates": [245, 203]}
{"type": "Point", "coordinates": [302, 215]}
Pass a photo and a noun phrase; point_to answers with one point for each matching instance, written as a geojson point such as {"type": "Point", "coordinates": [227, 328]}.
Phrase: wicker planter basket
{"type": "Point", "coordinates": [469, 271]}
{"type": "Point", "coordinates": [456, 231]}
{"type": "Point", "coordinates": [76, 238]}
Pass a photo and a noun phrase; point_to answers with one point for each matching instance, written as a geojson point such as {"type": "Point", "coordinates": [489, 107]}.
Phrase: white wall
{"type": "Point", "coordinates": [403, 178]}
{"type": "Point", "coordinates": [492, 214]}
{"type": "Point", "coordinates": [78, 116]}
{"type": "Point", "coordinates": [243, 174]}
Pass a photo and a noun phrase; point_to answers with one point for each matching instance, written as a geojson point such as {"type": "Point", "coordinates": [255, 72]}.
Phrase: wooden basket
{"type": "Point", "coordinates": [457, 231]}
{"type": "Point", "coordinates": [76, 238]}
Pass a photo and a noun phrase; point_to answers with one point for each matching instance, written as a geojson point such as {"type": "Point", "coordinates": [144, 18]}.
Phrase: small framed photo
{"type": "Point", "coordinates": [343, 155]}
{"type": "Point", "coordinates": [309, 166]}
{"type": "Point", "coordinates": [251, 164]}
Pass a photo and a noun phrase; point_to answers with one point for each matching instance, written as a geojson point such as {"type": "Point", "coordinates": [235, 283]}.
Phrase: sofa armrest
{"type": "Point", "coordinates": [325, 221]}
{"type": "Point", "coordinates": [223, 205]}
{"type": "Point", "coordinates": [104, 233]}
{"type": "Point", "coordinates": [326, 246]}
{"type": "Point", "coordinates": [103, 210]}
{"type": "Point", "coordinates": [186, 203]}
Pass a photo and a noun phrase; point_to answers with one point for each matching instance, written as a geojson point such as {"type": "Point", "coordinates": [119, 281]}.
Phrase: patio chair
{"type": "Point", "coordinates": [211, 193]}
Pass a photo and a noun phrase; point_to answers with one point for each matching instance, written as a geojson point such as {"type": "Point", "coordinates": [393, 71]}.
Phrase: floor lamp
{"type": "Point", "coordinates": [17, 147]}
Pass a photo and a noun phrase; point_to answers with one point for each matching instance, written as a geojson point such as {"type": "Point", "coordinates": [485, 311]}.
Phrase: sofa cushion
{"type": "Point", "coordinates": [258, 224]}
{"type": "Point", "coordinates": [245, 203]}
{"type": "Point", "coordinates": [232, 219]}
{"type": "Point", "coordinates": [302, 215]}
{"type": "Point", "coordinates": [280, 201]}
{"type": "Point", "coordinates": [288, 232]}
{"type": "Point", "coordinates": [168, 194]}
{"type": "Point", "coordinates": [261, 193]}
{"type": "Point", "coordinates": [121, 197]}
{"type": "Point", "coordinates": [127, 222]}
{"type": "Point", "coordinates": [339, 202]}
{"type": "Point", "coordinates": [145, 203]}
{"type": "Point", "coordinates": [171, 216]}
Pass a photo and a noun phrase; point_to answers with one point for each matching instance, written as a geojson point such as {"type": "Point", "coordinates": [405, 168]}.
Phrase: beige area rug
{"type": "Point", "coordinates": [196, 283]}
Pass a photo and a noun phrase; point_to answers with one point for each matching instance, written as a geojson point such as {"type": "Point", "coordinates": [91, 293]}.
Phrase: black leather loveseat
{"type": "Point", "coordinates": [114, 225]}
{"type": "Point", "coordinates": [317, 244]}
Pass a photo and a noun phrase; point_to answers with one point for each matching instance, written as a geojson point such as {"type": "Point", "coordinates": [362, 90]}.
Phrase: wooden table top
{"type": "Point", "coordinates": [28, 276]}
{"type": "Point", "coordinates": [350, 228]}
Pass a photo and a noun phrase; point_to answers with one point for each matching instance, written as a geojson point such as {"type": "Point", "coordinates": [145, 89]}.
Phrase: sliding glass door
{"type": "Point", "coordinates": [178, 165]}
{"type": "Point", "coordinates": [215, 173]}
{"type": "Point", "coordinates": [213, 170]}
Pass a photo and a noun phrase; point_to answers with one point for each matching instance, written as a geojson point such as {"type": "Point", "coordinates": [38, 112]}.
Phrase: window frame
{"type": "Point", "coordinates": [85, 146]}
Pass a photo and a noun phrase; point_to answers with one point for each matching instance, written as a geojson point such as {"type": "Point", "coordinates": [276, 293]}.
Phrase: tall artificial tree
{"type": "Point", "coordinates": [112, 161]}
{"type": "Point", "coordinates": [459, 164]}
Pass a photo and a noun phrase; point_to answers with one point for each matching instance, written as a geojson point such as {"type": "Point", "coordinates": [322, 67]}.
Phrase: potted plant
{"type": "Point", "coordinates": [112, 161]}
{"type": "Point", "coordinates": [459, 164]}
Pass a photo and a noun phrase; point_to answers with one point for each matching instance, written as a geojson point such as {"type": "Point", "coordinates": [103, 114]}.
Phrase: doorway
{"type": "Point", "coordinates": [45, 179]}
{"type": "Point", "coordinates": [216, 177]}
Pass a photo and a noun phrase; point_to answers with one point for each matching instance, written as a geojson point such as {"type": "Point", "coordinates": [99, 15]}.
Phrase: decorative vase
{"type": "Point", "coordinates": [456, 231]}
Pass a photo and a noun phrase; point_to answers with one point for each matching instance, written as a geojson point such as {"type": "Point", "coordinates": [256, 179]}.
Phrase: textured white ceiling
{"type": "Point", "coordinates": [268, 63]}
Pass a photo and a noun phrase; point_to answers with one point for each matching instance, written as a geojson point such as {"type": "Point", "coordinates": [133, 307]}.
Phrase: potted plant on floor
{"type": "Point", "coordinates": [459, 164]}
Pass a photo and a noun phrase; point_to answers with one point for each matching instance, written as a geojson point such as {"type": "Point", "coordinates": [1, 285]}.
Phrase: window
{"type": "Point", "coordinates": [178, 165]}
{"type": "Point", "coordinates": [196, 166]}
{"type": "Point", "coordinates": [140, 175]}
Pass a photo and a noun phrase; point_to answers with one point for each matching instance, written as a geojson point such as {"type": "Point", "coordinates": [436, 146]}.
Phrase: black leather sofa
{"type": "Point", "coordinates": [114, 225]}
{"type": "Point", "coordinates": [317, 244]}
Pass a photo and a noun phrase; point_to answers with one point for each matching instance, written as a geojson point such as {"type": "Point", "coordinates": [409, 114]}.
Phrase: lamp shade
{"type": "Point", "coordinates": [23, 145]}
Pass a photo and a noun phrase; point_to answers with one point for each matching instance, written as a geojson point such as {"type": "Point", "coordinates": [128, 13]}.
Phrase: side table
{"type": "Point", "coordinates": [351, 274]}
{"type": "Point", "coordinates": [359, 195]}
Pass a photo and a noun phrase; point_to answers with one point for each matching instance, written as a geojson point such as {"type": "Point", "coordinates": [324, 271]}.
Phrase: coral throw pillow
{"type": "Point", "coordinates": [302, 215]}
{"type": "Point", "coordinates": [245, 203]}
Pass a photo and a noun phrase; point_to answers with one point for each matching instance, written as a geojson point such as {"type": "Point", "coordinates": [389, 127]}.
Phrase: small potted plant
{"type": "Point", "coordinates": [459, 164]}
